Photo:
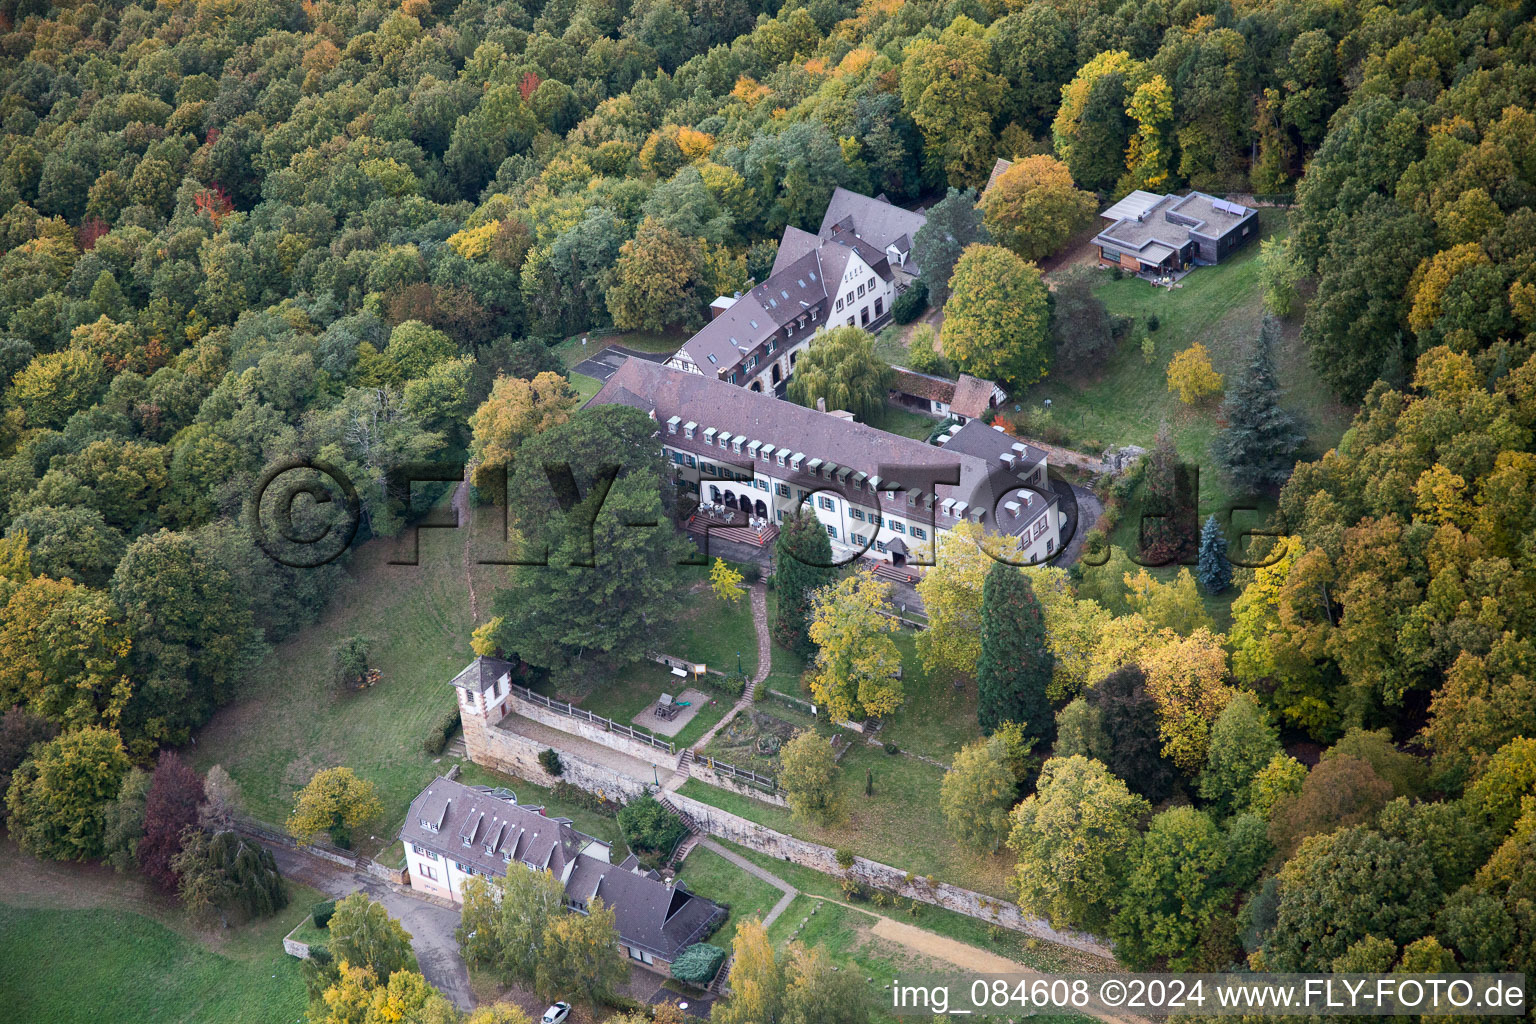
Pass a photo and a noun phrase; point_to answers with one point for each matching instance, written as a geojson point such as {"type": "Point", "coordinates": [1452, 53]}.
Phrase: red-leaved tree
{"type": "Point", "coordinates": [170, 806]}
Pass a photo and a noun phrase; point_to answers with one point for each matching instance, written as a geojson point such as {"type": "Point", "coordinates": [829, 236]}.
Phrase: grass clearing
{"type": "Point", "coordinates": [937, 719]}
{"type": "Point", "coordinates": [584, 386]}
{"type": "Point", "coordinates": [1125, 402]}
{"type": "Point", "coordinates": [881, 827]}
{"type": "Point", "coordinates": [712, 876]}
{"type": "Point", "coordinates": [289, 720]}
{"type": "Point", "coordinates": [80, 941]}
{"type": "Point", "coordinates": [903, 421]}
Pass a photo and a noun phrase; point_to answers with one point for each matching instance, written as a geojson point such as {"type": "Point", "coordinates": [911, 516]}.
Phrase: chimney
{"type": "Point", "coordinates": [821, 405]}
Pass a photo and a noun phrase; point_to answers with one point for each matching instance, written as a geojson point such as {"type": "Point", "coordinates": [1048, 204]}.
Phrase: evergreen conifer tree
{"type": "Point", "coordinates": [1214, 571]}
{"type": "Point", "coordinates": [1259, 445]}
{"type": "Point", "coordinates": [802, 561]}
{"type": "Point", "coordinates": [1015, 665]}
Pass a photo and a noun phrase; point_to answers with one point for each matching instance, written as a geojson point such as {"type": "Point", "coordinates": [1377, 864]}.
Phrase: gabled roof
{"type": "Point", "coordinates": [998, 170]}
{"type": "Point", "coordinates": [875, 220]}
{"type": "Point", "coordinates": [499, 829]}
{"type": "Point", "coordinates": [922, 385]}
{"type": "Point", "coordinates": [481, 674]}
{"type": "Point", "coordinates": [792, 291]}
{"type": "Point", "coordinates": [823, 439]}
{"type": "Point", "coordinates": [973, 396]}
{"type": "Point", "coordinates": [792, 246]}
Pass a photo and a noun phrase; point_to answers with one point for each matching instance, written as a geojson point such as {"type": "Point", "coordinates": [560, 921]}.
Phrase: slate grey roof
{"type": "Point", "coordinates": [790, 293]}
{"type": "Point", "coordinates": [876, 221]}
{"type": "Point", "coordinates": [1166, 223]}
{"type": "Point", "coordinates": [650, 914]}
{"type": "Point", "coordinates": [983, 476]}
{"type": "Point", "coordinates": [499, 830]}
{"type": "Point", "coordinates": [792, 246]}
{"type": "Point", "coordinates": [481, 674]}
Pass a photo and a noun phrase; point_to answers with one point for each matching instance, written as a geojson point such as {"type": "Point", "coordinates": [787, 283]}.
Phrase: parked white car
{"type": "Point", "coordinates": [556, 1014]}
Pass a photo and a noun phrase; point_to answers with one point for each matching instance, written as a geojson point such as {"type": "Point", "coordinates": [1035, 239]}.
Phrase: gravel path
{"type": "Point", "coordinates": [605, 756]}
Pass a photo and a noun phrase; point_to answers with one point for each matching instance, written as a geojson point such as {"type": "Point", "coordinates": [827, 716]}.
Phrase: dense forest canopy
{"type": "Point", "coordinates": [234, 233]}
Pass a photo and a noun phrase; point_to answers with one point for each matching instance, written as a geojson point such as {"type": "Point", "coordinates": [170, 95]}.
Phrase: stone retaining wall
{"type": "Point", "coordinates": [586, 730]}
{"type": "Point", "coordinates": [389, 874]}
{"type": "Point", "coordinates": [724, 825]}
{"type": "Point", "coordinates": [700, 770]}
{"type": "Point", "coordinates": [515, 754]}
{"type": "Point", "coordinates": [293, 947]}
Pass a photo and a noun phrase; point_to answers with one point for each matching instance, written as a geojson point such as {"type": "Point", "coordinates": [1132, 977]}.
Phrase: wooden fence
{"type": "Point", "coordinates": [571, 710]}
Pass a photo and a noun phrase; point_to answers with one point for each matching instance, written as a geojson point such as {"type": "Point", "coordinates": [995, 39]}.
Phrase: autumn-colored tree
{"type": "Point", "coordinates": [757, 980]}
{"type": "Point", "coordinates": [1176, 605]}
{"type": "Point", "coordinates": [1176, 889]}
{"type": "Point", "coordinates": [951, 593]}
{"type": "Point", "coordinates": [1150, 153]}
{"type": "Point", "coordinates": [977, 793]}
{"type": "Point", "coordinates": [1073, 836]}
{"type": "Point", "coordinates": [1191, 376]}
{"type": "Point", "coordinates": [516, 409]}
{"type": "Point", "coordinates": [997, 317]}
{"type": "Point", "coordinates": [808, 774]}
{"type": "Point", "coordinates": [1034, 207]}
{"type": "Point", "coordinates": [59, 796]}
{"type": "Point", "coordinates": [1187, 678]}
{"type": "Point", "coordinates": [952, 90]}
{"type": "Point", "coordinates": [857, 663]}
{"type": "Point", "coordinates": [581, 956]}
{"type": "Point", "coordinates": [1338, 792]}
{"type": "Point", "coordinates": [363, 933]}
{"type": "Point", "coordinates": [658, 280]}
{"type": "Point", "coordinates": [725, 582]}
{"type": "Point", "coordinates": [170, 806]}
{"type": "Point", "coordinates": [335, 801]}
{"type": "Point", "coordinates": [64, 653]}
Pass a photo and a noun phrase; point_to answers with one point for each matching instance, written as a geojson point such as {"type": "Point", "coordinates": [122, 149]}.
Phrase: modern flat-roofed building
{"type": "Point", "coordinates": [1154, 234]}
{"type": "Point", "coordinates": [879, 496]}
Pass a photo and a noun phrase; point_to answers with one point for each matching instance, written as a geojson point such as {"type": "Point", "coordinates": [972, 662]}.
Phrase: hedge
{"type": "Point", "coordinates": [909, 305]}
{"type": "Point", "coordinates": [321, 913]}
{"type": "Point", "coordinates": [439, 735]}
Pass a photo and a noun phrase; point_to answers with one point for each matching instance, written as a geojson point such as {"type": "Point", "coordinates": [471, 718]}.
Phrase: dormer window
{"type": "Point", "coordinates": [689, 428]}
{"type": "Point", "coordinates": [709, 436]}
{"type": "Point", "coordinates": [781, 456]}
{"type": "Point", "coordinates": [672, 424]}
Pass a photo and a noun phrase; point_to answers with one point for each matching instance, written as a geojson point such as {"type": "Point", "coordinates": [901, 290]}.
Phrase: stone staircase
{"type": "Point", "coordinates": [695, 833]}
{"type": "Point", "coordinates": [685, 762]}
{"type": "Point", "coordinates": [718, 987]}
{"type": "Point", "coordinates": [897, 574]}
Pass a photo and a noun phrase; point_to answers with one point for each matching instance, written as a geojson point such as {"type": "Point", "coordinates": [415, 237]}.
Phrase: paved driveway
{"type": "Point", "coordinates": [430, 925]}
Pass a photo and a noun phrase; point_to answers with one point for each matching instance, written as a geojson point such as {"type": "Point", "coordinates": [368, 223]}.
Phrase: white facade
{"type": "Point", "coordinates": [863, 297]}
{"type": "Point", "coordinates": [855, 522]}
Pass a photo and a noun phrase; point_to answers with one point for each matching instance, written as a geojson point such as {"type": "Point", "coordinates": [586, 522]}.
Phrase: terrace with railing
{"type": "Point", "coordinates": [563, 708]}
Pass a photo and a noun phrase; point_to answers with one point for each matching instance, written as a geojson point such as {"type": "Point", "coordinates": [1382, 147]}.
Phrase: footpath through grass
{"type": "Point", "coordinates": [712, 876]}
{"type": "Point", "coordinates": [900, 825]}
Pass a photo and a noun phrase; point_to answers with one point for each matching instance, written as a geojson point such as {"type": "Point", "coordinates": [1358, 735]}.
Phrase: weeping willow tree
{"type": "Point", "coordinates": [841, 366]}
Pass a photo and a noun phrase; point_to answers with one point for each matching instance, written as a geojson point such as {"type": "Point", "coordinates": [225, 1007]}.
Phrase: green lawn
{"type": "Point", "coordinates": [784, 674]}
{"type": "Point", "coordinates": [936, 718]}
{"type": "Point", "coordinates": [712, 632]}
{"type": "Point", "coordinates": [59, 966]}
{"type": "Point", "coordinates": [584, 386]}
{"type": "Point", "coordinates": [712, 876]}
{"type": "Point", "coordinates": [624, 694]}
{"type": "Point", "coordinates": [1124, 403]}
{"type": "Point", "coordinates": [288, 719]}
{"type": "Point", "coordinates": [571, 351]}
{"type": "Point", "coordinates": [904, 422]}
{"type": "Point", "coordinates": [900, 825]}
{"type": "Point", "coordinates": [1033, 953]}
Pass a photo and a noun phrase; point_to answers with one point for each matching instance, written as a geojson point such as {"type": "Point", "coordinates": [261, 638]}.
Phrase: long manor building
{"type": "Point", "coordinates": [880, 496]}
{"type": "Point", "coordinates": [847, 274]}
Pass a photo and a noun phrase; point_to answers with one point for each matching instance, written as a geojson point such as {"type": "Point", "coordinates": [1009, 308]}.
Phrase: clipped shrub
{"type": "Point", "coordinates": [698, 964]}
{"type": "Point", "coordinates": [891, 748]}
{"type": "Point", "coordinates": [438, 736]}
{"type": "Point", "coordinates": [549, 760]}
{"type": "Point", "coordinates": [909, 305]}
{"type": "Point", "coordinates": [732, 685]}
{"type": "Point", "coordinates": [321, 913]}
{"type": "Point", "coordinates": [1153, 323]}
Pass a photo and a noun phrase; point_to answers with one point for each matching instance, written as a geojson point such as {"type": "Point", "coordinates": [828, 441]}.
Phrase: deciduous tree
{"type": "Point", "coordinates": [1191, 376]}
{"type": "Point", "coordinates": [977, 793]}
{"type": "Point", "coordinates": [1242, 743]}
{"type": "Point", "coordinates": [1175, 890]}
{"type": "Point", "coordinates": [857, 663]}
{"type": "Point", "coordinates": [515, 409]}
{"type": "Point", "coordinates": [725, 582]}
{"type": "Point", "coordinates": [1034, 207]}
{"type": "Point", "coordinates": [170, 807]}
{"type": "Point", "coordinates": [59, 796]}
{"type": "Point", "coordinates": [841, 367]}
{"type": "Point", "coordinates": [953, 224]}
{"type": "Point", "coordinates": [581, 956]}
{"type": "Point", "coordinates": [335, 801]}
{"type": "Point", "coordinates": [808, 774]}
{"type": "Point", "coordinates": [996, 319]}
{"type": "Point", "coordinates": [1074, 836]}
{"type": "Point", "coordinates": [363, 934]}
